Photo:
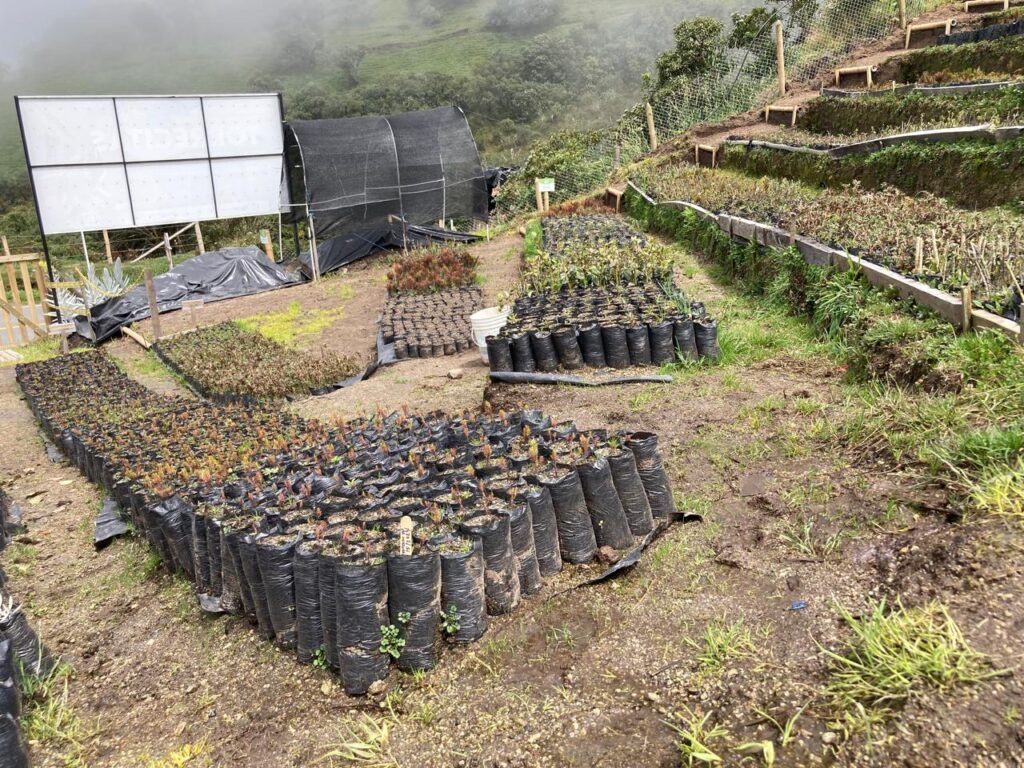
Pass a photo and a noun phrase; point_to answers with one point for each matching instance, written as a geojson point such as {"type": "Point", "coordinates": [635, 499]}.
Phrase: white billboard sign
{"type": "Point", "coordinates": [111, 162]}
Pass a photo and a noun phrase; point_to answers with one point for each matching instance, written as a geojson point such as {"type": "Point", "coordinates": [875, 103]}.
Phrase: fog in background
{"type": "Point", "coordinates": [332, 57]}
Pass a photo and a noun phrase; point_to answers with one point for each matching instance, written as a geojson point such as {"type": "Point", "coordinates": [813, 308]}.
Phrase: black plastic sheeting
{"type": "Point", "coordinates": [419, 166]}
{"type": "Point", "coordinates": [984, 34]}
{"type": "Point", "coordinates": [211, 276]}
{"type": "Point", "coordinates": [353, 246]}
{"type": "Point", "coordinates": [109, 524]}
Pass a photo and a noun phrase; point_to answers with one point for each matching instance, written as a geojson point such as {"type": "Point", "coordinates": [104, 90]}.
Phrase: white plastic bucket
{"type": "Point", "coordinates": [487, 322]}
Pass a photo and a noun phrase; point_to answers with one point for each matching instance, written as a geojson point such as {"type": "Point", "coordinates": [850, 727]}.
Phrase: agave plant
{"type": "Point", "coordinates": [95, 288]}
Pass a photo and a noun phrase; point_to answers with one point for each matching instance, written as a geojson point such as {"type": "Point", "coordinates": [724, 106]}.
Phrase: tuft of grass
{"type": "Point", "coordinates": [723, 642]}
{"type": "Point", "coordinates": [894, 653]}
{"type": "Point", "coordinates": [189, 755]}
{"type": "Point", "coordinates": [799, 535]}
{"type": "Point", "coordinates": [367, 743]}
{"type": "Point", "coordinates": [48, 720]}
{"type": "Point", "coordinates": [696, 735]}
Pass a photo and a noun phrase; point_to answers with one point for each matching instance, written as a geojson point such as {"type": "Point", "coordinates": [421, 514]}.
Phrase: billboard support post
{"type": "Point", "coordinates": [39, 216]}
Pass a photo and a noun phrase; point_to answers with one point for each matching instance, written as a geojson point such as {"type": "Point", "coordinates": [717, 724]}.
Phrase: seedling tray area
{"type": "Point", "coordinates": [599, 294]}
{"type": "Point", "coordinates": [430, 324]}
{"type": "Point", "coordinates": [356, 544]}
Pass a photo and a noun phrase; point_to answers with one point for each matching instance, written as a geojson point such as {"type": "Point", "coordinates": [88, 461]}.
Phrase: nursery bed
{"type": "Point", "coordinates": [431, 324]}
{"type": "Point", "coordinates": [599, 294]}
{"type": "Point", "coordinates": [226, 363]}
{"type": "Point", "coordinates": [299, 527]}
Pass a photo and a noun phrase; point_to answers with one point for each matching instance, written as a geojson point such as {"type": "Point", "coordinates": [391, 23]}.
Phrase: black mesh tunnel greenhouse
{"type": "Point", "coordinates": [360, 173]}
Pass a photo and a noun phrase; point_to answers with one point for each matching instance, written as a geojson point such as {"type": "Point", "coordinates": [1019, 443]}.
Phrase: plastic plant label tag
{"type": "Point", "coordinates": [405, 527]}
{"type": "Point", "coordinates": [546, 185]}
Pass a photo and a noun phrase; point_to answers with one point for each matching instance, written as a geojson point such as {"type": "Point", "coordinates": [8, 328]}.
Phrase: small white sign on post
{"type": "Point", "coordinates": [546, 185]}
{"type": "Point", "coordinates": [405, 527]}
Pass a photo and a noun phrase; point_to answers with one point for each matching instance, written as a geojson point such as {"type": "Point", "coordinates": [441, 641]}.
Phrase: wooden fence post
{"type": "Point", "coordinates": [780, 57]}
{"type": "Point", "coordinates": [154, 308]}
{"type": "Point", "coordinates": [168, 251]}
{"type": "Point", "coordinates": [968, 308]}
{"type": "Point", "coordinates": [7, 248]}
{"type": "Point", "coordinates": [199, 239]}
{"type": "Point", "coordinates": [106, 247]}
{"type": "Point", "coordinates": [268, 243]}
{"type": "Point", "coordinates": [652, 132]}
{"type": "Point", "coordinates": [540, 196]}
{"type": "Point", "coordinates": [903, 14]}
{"type": "Point", "coordinates": [42, 283]}
{"type": "Point", "coordinates": [618, 156]}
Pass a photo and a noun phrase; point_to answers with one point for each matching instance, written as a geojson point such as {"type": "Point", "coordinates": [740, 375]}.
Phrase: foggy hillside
{"type": "Point", "coordinates": [520, 68]}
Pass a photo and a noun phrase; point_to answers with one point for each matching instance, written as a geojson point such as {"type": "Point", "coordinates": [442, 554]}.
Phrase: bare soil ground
{"type": "Point", "coordinates": [793, 525]}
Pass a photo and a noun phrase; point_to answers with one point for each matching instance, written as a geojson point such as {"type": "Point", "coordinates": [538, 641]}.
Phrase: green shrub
{"type": "Point", "coordinates": [852, 116]}
{"type": "Point", "coordinates": [1005, 55]}
{"type": "Point", "coordinates": [972, 174]}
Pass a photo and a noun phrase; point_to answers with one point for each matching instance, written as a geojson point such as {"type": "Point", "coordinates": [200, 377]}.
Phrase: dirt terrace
{"type": "Point", "coordinates": [588, 677]}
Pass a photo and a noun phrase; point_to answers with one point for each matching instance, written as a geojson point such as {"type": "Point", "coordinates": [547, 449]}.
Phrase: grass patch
{"type": "Point", "coordinates": [189, 755]}
{"type": "Point", "coordinates": [696, 734]}
{"type": "Point", "coordinates": [290, 325]}
{"type": "Point", "coordinates": [893, 654]}
{"type": "Point", "coordinates": [366, 742]}
{"type": "Point", "coordinates": [723, 642]}
{"type": "Point", "coordinates": [47, 719]}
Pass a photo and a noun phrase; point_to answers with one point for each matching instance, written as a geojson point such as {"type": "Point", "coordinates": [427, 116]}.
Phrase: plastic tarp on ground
{"type": "Point", "coordinates": [212, 276]}
{"type": "Point", "coordinates": [418, 166]}
{"type": "Point", "coordinates": [345, 249]}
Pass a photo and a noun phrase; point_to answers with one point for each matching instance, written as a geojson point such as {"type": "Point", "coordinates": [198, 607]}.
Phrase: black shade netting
{"type": "Point", "coordinates": [421, 166]}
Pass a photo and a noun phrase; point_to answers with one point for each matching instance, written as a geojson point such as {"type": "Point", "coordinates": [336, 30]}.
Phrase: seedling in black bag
{"type": "Point", "coordinates": [450, 621]}
{"type": "Point", "coordinates": [391, 640]}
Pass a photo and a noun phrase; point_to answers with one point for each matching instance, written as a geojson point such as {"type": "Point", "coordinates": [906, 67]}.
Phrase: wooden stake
{"type": "Point", "coordinates": [268, 243]}
{"type": "Point", "coordinates": [919, 255]}
{"type": "Point", "coordinates": [199, 239]}
{"type": "Point", "coordinates": [652, 132]}
{"type": "Point", "coordinates": [106, 247]}
{"type": "Point", "coordinates": [540, 196]}
{"type": "Point", "coordinates": [7, 248]}
{"type": "Point", "coordinates": [168, 251]}
{"type": "Point", "coordinates": [618, 156]}
{"type": "Point", "coordinates": [547, 201]}
{"type": "Point", "coordinates": [968, 308]}
{"type": "Point", "coordinates": [154, 308]}
{"type": "Point", "coordinates": [30, 298]}
{"type": "Point", "coordinates": [42, 283]}
{"type": "Point", "coordinates": [903, 14]}
{"type": "Point", "coordinates": [8, 320]}
{"type": "Point", "coordinates": [16, 301]}
{"type": "Point", "coordinates": [780, 57]}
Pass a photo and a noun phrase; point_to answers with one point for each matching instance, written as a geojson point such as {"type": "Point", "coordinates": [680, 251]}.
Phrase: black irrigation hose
{"type": "Point", "coordinates": [516, 377]}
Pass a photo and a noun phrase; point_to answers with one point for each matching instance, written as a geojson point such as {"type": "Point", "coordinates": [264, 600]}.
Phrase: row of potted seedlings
{"type": "Point", "coordinates": [615, 327]}
{"type": "Point", "coordinates": [599, 295]}
{"type": "Point", "coordinates": [22, 655]}
{"type": "Point", "coordinates": [432, 324]}
{"type": "Point", "coordinates": [365, 541]}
